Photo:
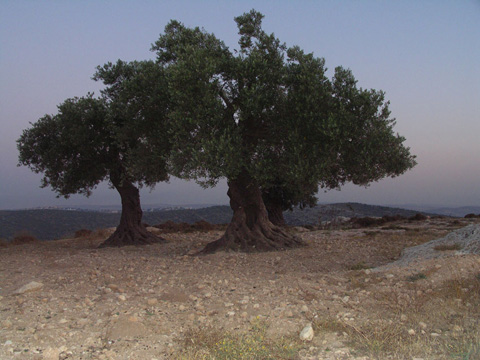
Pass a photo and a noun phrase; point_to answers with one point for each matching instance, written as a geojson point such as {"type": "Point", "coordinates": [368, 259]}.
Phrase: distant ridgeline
{"type": "Point", "coordinates": [47, 224]}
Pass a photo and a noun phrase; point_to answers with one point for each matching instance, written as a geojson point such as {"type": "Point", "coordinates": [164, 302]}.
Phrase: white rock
{"type": "Point", "coordinates": [307, 333]}
{"type": "Point", "coordinates": [411, 332]}
{"type": "Point", "coordinates": [31, 286]}
{"type": "Point", "coordinates": [51, 354]}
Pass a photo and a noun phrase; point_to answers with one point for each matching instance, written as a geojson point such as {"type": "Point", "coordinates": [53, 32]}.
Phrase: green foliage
{"type": "Point", "coordinates": [271, 112]}
{"type": "Point", "coordinates": [94, 139]}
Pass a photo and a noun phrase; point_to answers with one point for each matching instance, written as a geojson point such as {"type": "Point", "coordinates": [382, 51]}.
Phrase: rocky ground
{"type": "Point", "coordinates": [81, 302]}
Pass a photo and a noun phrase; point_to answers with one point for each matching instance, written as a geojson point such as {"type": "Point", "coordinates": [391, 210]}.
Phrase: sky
{"type": "Point", "coordinates": [424, 54]}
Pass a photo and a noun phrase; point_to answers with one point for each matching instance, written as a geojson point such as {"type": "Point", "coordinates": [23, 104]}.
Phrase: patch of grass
{"type": "Point", "coordinates": [400, 325]}
{"type": "Point", "coordinates": [416, 277]}
{"type": "Point", "coordinates": [360, 266]}
{"type": "Point", "coordinates": [448, 247]}
{"type": "Point", "coordinates": [211, 344]}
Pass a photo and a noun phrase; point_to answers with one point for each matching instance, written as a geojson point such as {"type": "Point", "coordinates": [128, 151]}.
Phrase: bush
{"type": "Point", "coordinates": [418, 217]}
{"type": "Point", "coordinates": [203, 226]}
{"type": "Point", "coordinates": [23, 237]}
{"type": "Point", "coordinates": [82, 233]}
{"type": "Point", "coordinates": [472, 216]}
{"type": "Point", "coordinates": [392, 218]}
{"type": "Point", "coordinates": [3, 242]}
{"type": "Point", "coordinates": [368, 221]}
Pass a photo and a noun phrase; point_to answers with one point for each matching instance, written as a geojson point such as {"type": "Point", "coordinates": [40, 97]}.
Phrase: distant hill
{"type": "Point", "coordinates": [329, 212]}
{"type": "Point", "coordinates": [447, 211]}
{"type": "Point", "coordinates": [47, 224]}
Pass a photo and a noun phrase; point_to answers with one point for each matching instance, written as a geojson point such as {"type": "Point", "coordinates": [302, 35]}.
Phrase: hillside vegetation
{"type": "Point", "coordinates": [47, 224]}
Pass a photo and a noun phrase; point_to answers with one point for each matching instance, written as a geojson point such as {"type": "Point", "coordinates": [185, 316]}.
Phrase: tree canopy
{"type": "Point", "coordinates": [266, 116]}
{"type": "Point", "coordinates": [111, 137]}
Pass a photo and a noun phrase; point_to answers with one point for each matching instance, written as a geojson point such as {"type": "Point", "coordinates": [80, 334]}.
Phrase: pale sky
{"type": "Point", "coordinates": [424, 54]}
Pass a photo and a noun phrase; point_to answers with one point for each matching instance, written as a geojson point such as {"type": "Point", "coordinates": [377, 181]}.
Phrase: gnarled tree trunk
{"type": "Point", "coordinates": [130, 231]}
{"type": "Point", "coordinates": [275, 213]}
{"type": "Point", "coordinates": [250, 230]}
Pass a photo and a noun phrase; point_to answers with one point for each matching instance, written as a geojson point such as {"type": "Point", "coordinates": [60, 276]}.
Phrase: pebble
{"type": "Point", "coordinates": [304, 308]}
{"type": "Point", "coordinates": [121, 297]}
{"type": "Point", "coordinates": [411, 332]}
{"type": "Point", "coordinates": [88, 302]}
{"type": "Point", "coordinates": [51, 354]}
{"type": "Point", "coordinates": [422, 325]}
{"type": "Point", "coordinates": [152, 301]}
{"type": "Point", "coordinates": [307, 333]}
{"type": "Point", "coordinates": [31, 286]}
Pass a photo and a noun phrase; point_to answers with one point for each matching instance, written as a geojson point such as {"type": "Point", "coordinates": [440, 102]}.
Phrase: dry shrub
{"type": "Point", "coordinates": [448, 247]}
{"type": "Point", "coordinates": [23, 237]}
{"type": "Point", "coordinates": [82, 233]}
{"type": "Point", "coordinates": [203, 226]}
{"type": "Point", "coordinates": [3, 242]}
{"type": "Point", "coordinates": [472, 216]}
{"type": "Point", "coordinates": [101, 234]}
{"type": "Point", "coordinates": [367, 221]}
{"type": "Point", "coordinates": [405, 323]}
{"type": "Point", "coordinates": [212, 344]}
{"type": "Point", "coordinates": [418, 217]}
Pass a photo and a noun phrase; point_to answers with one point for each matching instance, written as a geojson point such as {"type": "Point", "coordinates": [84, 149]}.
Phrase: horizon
{"type": "Point", "coordinates": [422, 54]}
{"type": "Point", "coordinates": [196, 206]}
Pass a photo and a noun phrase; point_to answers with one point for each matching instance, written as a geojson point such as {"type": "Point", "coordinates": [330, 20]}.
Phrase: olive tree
{"type": "Point", "coordinates": [120, 137]}
{"type": "Point", "coordinates": [266, 116]}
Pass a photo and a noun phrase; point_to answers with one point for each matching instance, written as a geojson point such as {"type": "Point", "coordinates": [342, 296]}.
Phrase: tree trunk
{"type": "Point", "coordinates": [275, 213]}
{"type": "Point", "coordinates": [250, 230]}
{"type": "Point", "coordinates": [130, 231]}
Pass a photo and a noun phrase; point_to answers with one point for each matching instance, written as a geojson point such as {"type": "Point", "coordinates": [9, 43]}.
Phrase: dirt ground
{"type": "Point", "coordinates": [140, 302]}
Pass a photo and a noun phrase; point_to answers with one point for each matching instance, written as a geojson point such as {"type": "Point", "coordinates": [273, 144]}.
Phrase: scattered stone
{"type": "Point", "coordinates": [31, 286]}
{"type": "Point", "coordinates": [307, 333]}
{"type": "Point", "coordinates": [88, 302]}
{"type": "Point", "coordinates": [51, 354]}
{"type": "Point", "coordinates": [304, 308]}
{"type": "Point", "coordinates": [411, 332]}
{"type": "Point", "coordinates": [7, 324]}
{"type": "Point", "coordinates": [422, 325]}
{"type": "Point", "coordinates": [152, 301]}
{"type": "Point", "coordinates": [434, 334]}
{"type": "Point", "coordinates": [113, 287]}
